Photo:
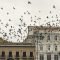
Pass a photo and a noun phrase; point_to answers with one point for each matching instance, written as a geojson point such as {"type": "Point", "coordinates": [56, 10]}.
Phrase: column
{"type": "Point", "coordinates": [58, 57]}
{"type": "Point", "coordinates": [52, 56]}
{"type": "Point", "coordinates": [45, 56]}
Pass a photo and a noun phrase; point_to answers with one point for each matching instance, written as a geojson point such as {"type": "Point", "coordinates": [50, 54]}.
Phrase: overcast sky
{"type": "Point", "coordinates": [15, 9]}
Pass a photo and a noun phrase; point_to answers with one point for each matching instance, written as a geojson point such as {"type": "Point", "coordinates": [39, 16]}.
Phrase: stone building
{"type": "Point", "coordinates": [47, 42]}
{"type": "Point", "coordinates": [42, 43]}
{"type": "Point", "coordinates": [16, 51]}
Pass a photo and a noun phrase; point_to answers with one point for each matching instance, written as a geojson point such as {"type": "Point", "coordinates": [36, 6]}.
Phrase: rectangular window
{"type": "Point", "coordinates": [41, 47]}
{"type": "Point", "coordinates": [31, 54]}
{"type": "Point", "coordinates": [56, 37]}
{"type": "Point", "coordinates": [48, 38]}
{"type": "Point", "coordinates": [48, 56]}
{"type": "Point", "coordinates": [41, 57]}
{"type": "Point", "coordinates": [55, 57]}
{"type": "Point", "coordinates": [10, 54]}
{"type": "Point", "coordinates": [17, 54]}
{"type": "Point", "coordinates": [24, 54]}
{"type": "Point", "coordinates": [49, 47]}
{"type": "Point", "coordinates": [3, 54]}
{"type": "Point", "coordinates": [41, 36]}
{"type": "Point", "coordinates": [55, 47]}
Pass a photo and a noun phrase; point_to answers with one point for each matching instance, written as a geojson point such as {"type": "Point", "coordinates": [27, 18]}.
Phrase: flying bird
{"type": "Point", "coordinates": [1, 8]}
{"type": "Point", "coordinates": [7, 13]}
{"type": "Point", "coordinates": [29, 2]}
{"type": "Point", "coordinates": [13, 7]}
{"type": "Point", "coordinates": [54, 6]}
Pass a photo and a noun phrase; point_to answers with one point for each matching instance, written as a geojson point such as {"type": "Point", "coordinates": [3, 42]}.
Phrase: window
{"type": "Point", "coordinates": [24, 54]}
{"type": "Point", "coordinates": [55, 47]}
{"type": "Point", "coordinates": [48, 37]}
{"type": "Point", "coordinates": [48, 47]}
{"type": "Point", "coordinates": [41, 47]}
{"type": "Point", "coordinates": [48, 56]}
{"type": "Point", "coordinates": [41, 36]}
{"type": "Point", "coordinates": [3, 54]}
{"type": "Point", "coordinates": [59, 53]}
{"type": "Point", "coordinates": [41, 57]}
{"type": "Point", "coordinates": [10, 54]}
{"type": "Point", "coordinates": [17, 54]}
{"type": "Point", "coordinates": [31, 54]}
{"type": "Point", "coordinates": [56, 37]}
{"type": "Point", "coordinates": [55, 57]}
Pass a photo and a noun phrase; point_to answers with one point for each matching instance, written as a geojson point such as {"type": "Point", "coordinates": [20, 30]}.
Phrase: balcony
{"type": "Point", "coordinates": [17, 57]}
{"type": "Point", "coordinates": [27, 58]}
{"type": "Point", "coordinates": [2, 57]}
{"type": "Point", "coordinates": [24, 58]}
{"type": "Point", "coordinates": [10, 57]}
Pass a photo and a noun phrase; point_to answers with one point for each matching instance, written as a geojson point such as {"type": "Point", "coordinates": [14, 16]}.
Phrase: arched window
{"type": "Point", "coordinates": [17, 54]}
{"type": "Point", "coordinates": [31, 54]}
{"type": "Point", "coordinates": [10, 54]}
{"type": "Point", "coordinates": [24, 54]}
{"type": "Point", "coordinates": [3, 54]}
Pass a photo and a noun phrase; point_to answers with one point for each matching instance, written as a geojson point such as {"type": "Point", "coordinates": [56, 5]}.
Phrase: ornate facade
{"type": "Point", "coordinates": [42, 43]}
{"type": "Point", "coordinates": [16, 51]}
{"type": "Point", "coordinates": [47, 42]}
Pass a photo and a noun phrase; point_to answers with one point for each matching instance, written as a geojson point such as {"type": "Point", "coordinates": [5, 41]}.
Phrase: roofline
{"type": "Point", "coordinates": [17, 45]}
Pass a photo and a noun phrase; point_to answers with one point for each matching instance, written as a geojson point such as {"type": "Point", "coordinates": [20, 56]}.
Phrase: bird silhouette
{"type": "Point", "coordinates": [54, 6]}
{"type": "Point", "coordinates": [29, 2]}
{"type": "Point", "coordinates": [9, 19]}
{"type": "Point", "coordinates": [13, 7]}
{"type": "Point", "coordinates": [1, 8]}
{"type": "Point", "coordinates": [7, 13]}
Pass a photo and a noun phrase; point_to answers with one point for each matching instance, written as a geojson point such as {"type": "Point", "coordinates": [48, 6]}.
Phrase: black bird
{"type": "Point", "coordinates": [9, 19]}
{"type": "Point", "coordinates": [24, 12]}
{"type": "Point", "coordinates": [29, 2]}
{"type": "Point", "coordinates": [1, 8]}
{"type": "Point", "coordinates": [50, 12]}
{"type": "Point", "coordinates": [54, 6]}
{"type": "Point", "coordinates": [47, 17]}
{"type": "Point", "coordinates": [13, 7]}
{"type": "Point", "coordinates": [7, 13]}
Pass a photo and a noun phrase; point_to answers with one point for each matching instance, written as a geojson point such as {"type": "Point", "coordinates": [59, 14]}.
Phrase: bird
{"type": "Point", "coordinates": [7, 13]}
{"type": "Point", "coordinates": [29, 2]}
{"type": "Point", "coordinates": [50, 12]}
{"type": "Point", "coordinates": [54, 6]}
{"type": "Point", "coordinates": [47, 17]}
{"type": "Point", "coordinates": [24, 24]}
{"type": "Point", "coordinates": [9, 19]}
{"type": "Point", "coordinates": [19, 30]}
{"type": "Point", "coordinates": [13, 7]}
{"type": "Point", "coordinates": [1, 8]}
{"type": "Point", "coordinates": [24, 12]}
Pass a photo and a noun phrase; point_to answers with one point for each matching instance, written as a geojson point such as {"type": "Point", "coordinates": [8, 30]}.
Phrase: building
{"type": "Point", "coordinates": [42, 43]}
{"type": "Point", "coordinates": [16, 51]}
{"type": "Point", "coordinates": [47, 42]}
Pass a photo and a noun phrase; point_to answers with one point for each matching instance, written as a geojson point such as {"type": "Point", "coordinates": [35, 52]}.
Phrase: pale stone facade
{"type": "Point", "coordinates": [16, 51]}
{"type": "Point", "coordinates": [42, 43]}
{"type": "Point", "coordinates": [47, 42]}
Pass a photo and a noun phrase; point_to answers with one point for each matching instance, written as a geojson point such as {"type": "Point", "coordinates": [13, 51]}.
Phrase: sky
{"type": "Point", "coordinates": [17, 15]}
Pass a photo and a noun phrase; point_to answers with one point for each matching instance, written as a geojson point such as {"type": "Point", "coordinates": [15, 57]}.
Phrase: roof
{"type": "Point", "coordinates": [4, 43]}
{"type": "Point", "coordinates": [43, 27]}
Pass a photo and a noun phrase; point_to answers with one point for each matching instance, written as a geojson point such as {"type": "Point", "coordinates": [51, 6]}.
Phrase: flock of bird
{"type": "Point", "coordinates": [22, 30]}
